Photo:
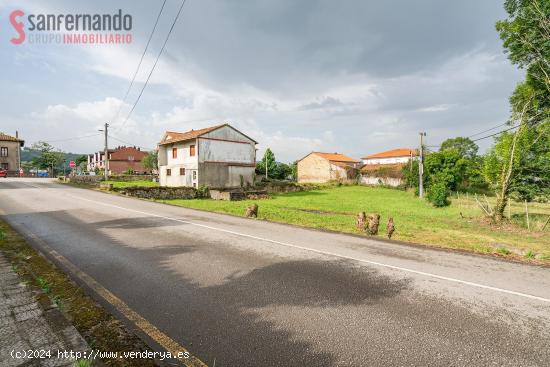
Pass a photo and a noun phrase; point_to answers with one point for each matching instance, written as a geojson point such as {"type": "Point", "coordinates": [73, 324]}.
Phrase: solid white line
{"type": "Point", "coordinates": [496, 289]}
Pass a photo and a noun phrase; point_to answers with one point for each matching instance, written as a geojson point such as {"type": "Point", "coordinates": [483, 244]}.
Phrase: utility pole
{"type": "Point", "coordinates": [421, 167]}
{"type": "Point", "coordinates": [106, 153]}
{"type": "Point", "coordinates": [265, 166]}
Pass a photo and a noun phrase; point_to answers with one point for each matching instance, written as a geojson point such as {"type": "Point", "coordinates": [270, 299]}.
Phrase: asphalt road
{"type": "Point", "coordinates": [250, 293]}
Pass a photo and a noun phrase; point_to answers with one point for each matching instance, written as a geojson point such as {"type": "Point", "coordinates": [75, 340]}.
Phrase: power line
{"type": "Point", "coordinates": [155, 64]}
{"type": "Point", "coordinates": [127, 142]}
{"type": "Point", "coordinates": [498, 132]}
{"type": "Point", "coordinates": [140, 61]}
{"type": "Point", "coordinates": [484, 131]}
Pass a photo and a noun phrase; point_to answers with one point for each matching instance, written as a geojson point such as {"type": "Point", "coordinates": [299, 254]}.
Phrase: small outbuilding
{"type": "Point", "coordinates": [320, 167]}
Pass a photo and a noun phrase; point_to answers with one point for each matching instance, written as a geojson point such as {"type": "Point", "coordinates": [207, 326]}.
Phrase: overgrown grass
{"type": "Point", "coordinates": [459, 226]}
{"type": "Point", "coordinates": [101, 330]}
{"type": "Point", "coordinates": [123, 184]}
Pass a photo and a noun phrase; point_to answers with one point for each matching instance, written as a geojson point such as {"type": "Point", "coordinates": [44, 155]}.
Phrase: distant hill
{"type": "Point", "coordinates": [27, 154]}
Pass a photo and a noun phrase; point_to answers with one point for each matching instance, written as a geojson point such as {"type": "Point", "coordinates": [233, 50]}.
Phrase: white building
{"type": "Point", "coordinates": [386, 168]}
{"type": "Point", "coordinates": [218, 156]}
{"type": "Point", "coordinates": [394, 156]}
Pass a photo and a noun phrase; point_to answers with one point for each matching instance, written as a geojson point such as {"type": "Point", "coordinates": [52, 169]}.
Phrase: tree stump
{"type": "Point", "coordinates": [361, 221]}
{"type": "Point", "coordinates": [252, 211]}
{"type": "Point", "coordinates": [390, 228]}
{"type": "Point", "coordinates": [373, 221]}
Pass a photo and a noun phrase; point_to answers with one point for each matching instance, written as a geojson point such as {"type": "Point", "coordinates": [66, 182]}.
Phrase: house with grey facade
{"type": "Point", "coordinates": [218, 156]}
{"type": "Point", "coordinates": [10, 153]}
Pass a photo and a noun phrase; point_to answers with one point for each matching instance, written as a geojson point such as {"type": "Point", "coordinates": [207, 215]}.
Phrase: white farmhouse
{"type": "Point", "coordinates": [218, 156]}
{"type": "Point", "coordinates": [394, 156]}
{"type": "Point", "coordinates": [386, 168]}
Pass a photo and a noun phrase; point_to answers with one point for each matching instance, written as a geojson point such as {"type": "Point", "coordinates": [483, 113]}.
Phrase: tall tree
{"type": "Point", "coordinates": [464, 146]}
{"type": "Point", "coordinates": [150, 161]}
{"type": "Point", "coordinates": [269, 160]}
{"type": "Point", "coordinates": [526, 39]}
{"type": "Point", "coordinates": [49, 158]}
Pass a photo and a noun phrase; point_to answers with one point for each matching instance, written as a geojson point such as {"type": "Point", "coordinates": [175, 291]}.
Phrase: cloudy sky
{"type": "Point", "coordinates": [352, 76]}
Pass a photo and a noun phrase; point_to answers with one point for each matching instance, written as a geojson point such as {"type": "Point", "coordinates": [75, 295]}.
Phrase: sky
{"type": "Point", "coordinates": [354, 76]}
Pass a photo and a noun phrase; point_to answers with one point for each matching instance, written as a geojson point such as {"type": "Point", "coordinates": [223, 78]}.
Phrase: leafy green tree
{"type": "Point", "coordinates": [282, 171]}
{"type": "Point", "coordinates": [49, 158]}
{"type": "Point", "coordinates": [150, 161]}
{"type": "Point", "coordinates": [472, 177]}
{"type": "Point", "coordinates": [464, 146]}
{"type": "Point", "coordinates": [81, 162]}
{"type": "Point", "coordinates": [510, 165]}
{"type": "Point", "coordinates": [269, 160]}
{"type": "Point", "coordinates": [526, 39]}
{"type": "Point", "coordinates": [447, 166]}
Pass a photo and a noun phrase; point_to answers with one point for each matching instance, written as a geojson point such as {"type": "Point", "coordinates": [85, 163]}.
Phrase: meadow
{"type": "Point", "coordinates": [462, 225]}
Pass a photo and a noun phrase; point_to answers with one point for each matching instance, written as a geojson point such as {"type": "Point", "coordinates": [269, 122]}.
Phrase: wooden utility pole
{"type": "Point", "coordinates": [106, 153]}
{"type": "Point", "coordinates": [421, 167]}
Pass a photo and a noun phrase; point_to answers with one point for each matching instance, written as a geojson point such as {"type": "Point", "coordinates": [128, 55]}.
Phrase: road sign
{"type": "Point", "coordinates": [72, 164]}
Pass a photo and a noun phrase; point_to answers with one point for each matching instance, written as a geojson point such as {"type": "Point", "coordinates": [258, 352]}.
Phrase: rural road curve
{"type": "Point", "coordinates": [238, 292]}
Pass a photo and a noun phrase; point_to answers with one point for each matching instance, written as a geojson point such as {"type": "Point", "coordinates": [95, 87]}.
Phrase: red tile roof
{"type": "Point", "coordinates": [401, 152]}
{"type": "Point", "coordinates": [6, 137]}
{"type": "Point", "coordinates": [173, 136]}
{"type": "Point", "coordinates": [336, 157]}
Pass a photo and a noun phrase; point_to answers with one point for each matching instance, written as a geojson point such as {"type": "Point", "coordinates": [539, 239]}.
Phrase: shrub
{"type": "Point", "coordinates": [438, 194]}
{"type": "Point", "coordinates": [203, 191]}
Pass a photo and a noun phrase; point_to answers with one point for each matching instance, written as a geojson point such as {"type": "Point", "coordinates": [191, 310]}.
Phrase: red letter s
{"type": "Point", "coordinates": [18, 26]}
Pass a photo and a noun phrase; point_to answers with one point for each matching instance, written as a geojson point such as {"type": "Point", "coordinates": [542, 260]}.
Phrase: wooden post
{"type": "Point", "coordinates": [527, 216]}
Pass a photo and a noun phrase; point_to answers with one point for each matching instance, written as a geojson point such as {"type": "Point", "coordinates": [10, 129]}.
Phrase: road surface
{"type": "Point", "coordinates": [239, 292]}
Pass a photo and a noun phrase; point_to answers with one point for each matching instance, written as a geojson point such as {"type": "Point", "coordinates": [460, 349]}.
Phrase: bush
{"type": "Point", "coordinates": [203, 191]}
{"type": "Point", "coordinates": [438, 194]}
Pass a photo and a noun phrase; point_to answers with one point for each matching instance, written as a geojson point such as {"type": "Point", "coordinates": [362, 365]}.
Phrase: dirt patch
{"type": "Point", "coordinates": [100, 329]}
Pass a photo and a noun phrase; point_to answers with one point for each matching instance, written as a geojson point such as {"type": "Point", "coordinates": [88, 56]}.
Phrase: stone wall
{"type": "Point", "coordinates": [159, 193]}
{"type": "Point", "coordinates": [86, 180]}
{"type": "Point", "coordinates": [277, 186]}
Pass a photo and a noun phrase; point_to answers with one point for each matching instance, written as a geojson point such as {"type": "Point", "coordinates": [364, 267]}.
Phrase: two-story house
{"type": "Point", "coordinates": [218, 156]}
{"type": "Point", "coordinates": [10, 153]}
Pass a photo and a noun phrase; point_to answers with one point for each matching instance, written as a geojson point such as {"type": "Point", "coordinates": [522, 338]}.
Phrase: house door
{"type": "Point", "coordinates": [194, 177]}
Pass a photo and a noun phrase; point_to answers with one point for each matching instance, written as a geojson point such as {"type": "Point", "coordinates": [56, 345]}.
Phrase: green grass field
{"type": "Point", "coordinates": [415, 219]}
{"type": "Point", "coordinates": [123, 184]}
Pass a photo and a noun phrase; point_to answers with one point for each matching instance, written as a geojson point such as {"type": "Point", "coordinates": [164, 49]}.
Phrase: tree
{"type": "Point", "coordinates": [447, 166]}
{"type": "Point", "coordinates": [49, 158]}
{"type": "Point", "coordinates": [509, 165]}
{"type": "Point", "coordinates": [526, 39]}
{"type": "Point", "coordinates": [282, 171]}
{"type": "Point", "coordinates": [269, 160]}
{"type": "Point", "coordinates": [519, 162]}
{"type": "Point", "coordinates": [81, 162]}
{"type": "Point", "coordinates": [150, 161]}
{"type": "Point", "coordinates": [464, 146]}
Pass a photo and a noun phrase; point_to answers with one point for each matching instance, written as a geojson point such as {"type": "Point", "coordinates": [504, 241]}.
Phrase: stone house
{"type": "Point", "coordinates": [218, 156]}
{"type": "Point", "coordinates": [10, 153]}
{"type": "Point", "coordinates": [319, 167]}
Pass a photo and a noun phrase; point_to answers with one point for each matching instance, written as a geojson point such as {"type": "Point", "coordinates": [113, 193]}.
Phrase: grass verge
{"type": "Point", "coordinates": [458, 226]}
{"type": "Point", "coordinates": [100, 329]}
{"type": "Point", "coordinates": [123, 184]}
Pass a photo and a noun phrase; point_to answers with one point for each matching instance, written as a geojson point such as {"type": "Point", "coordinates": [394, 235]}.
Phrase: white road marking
{"type": "Point", "coordinates": [482, 286]}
